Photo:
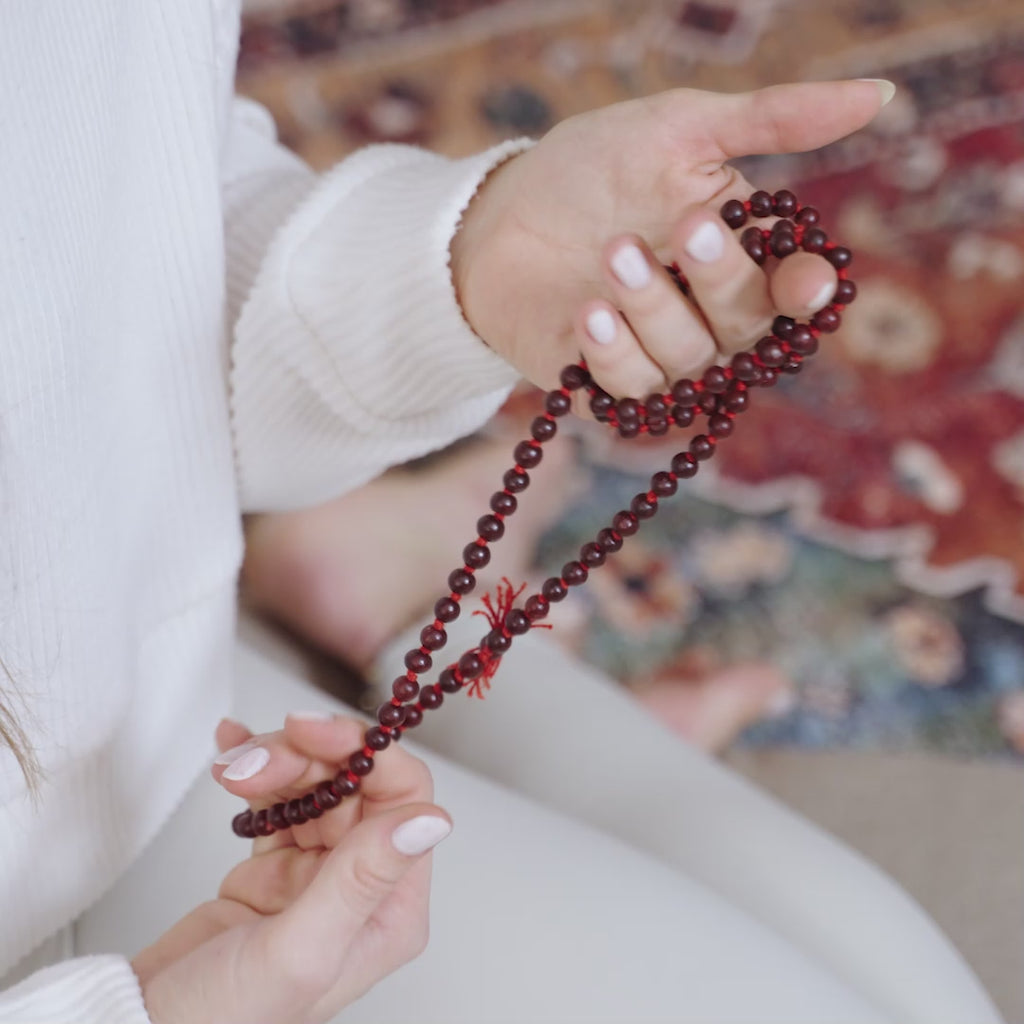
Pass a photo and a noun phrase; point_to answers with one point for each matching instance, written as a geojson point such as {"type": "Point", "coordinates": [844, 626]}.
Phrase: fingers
{"type": "Point", "coordinates": [802, 284]}
{"type": "Point", "coordinates": [379, 862]}
{"type": "Point", "coordinates": [783, 118]}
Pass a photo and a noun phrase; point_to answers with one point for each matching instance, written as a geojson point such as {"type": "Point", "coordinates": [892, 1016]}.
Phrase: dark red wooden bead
{"type": "Point", "coordinates": [277, 819]}
{"type": "Point", "coordinates": [543, 429]}
{"type": "Point", "coordinates": [664, 485]}
{"type": "Point", "coordinates": [405, 689]}
{"type": "Point", "coordinates": [760, 204]}
{"type": "Point", "coordinates": [782, 327]}
{"type": "Point", "coordinates": [784, 203]}
{"type": "Point", "coordinates": [642, 506]}
{"type": "Point", "coordinates": [625, 523]}
{"type": "Point", "coordinates": [657, 426]}
{"type": "Point", "coordinates": [792, 365]}
{"type": "Point", "coordinates": [627, 410]}
{"type": "Point", "coordinates": [767, 378]}
{"type": "Point", "coordinates": [682, 415]}
{"type": "Point", "coordinates": [433, 638]}
{"type": "Point", "coordinates": [344, 785]}
{"type": "Point", "coordinates": [575, 573]}
{"type": "Point", "coordinates": [656, 405]}
{"type": "Point", "coordinates": [702, 447]}
{"type": "Point", "coordinates": [743, 366]}
{"type": "Point", "coordinates": [707, 402]}
{"type": "Point", "coordinates": [413, 717]}
{"type": "Point", "coordinates": [814, 240]}
{"type": "Point", "coordinates": [241, 825]}
{"type": "Point", "coordinates": [574, 377]}
{"type": "Point", "coordinates": [591, 555]}
{"type": "Point", "coordinates": [470, 665]}
{"type": "Point", "coordinates": [516, 480]}
{"type": "Point", "coordinates": [503, 504]}
{"type": "Point", "coordinates": [554, 589]}
{"type": "Point", "coordinates": [782, 245]}
{"type": "Point", "coordinates": [557, 403]}
{"type": "Point", "coordinates": [418, 661]}
{"type": "Point", "coordinates": [496, 642]}
{"type": "Point", "coordinates": [802, 341]}
{"type": "Point", "coordinates": [446, 610]}
{"type": "Point", "coordinates": [376, 738]}
{"type": "Point", "coordinates": [753, 244]}
{"type": "Point", "coordinates": [310, 807]}
{"type": "Point", "coordinates": [490, 527]}
{"type": "Point", "coordinates": [737, 401]}
{"type": "Point", "coordinates": [448, 682]}
{"type": "Point", "coordinates": [517, 622]}
{"type": "Point", "coordinates": [294, 814]}
{"type": "Point", "coordinates": [715, 379]}
{"type": "Point", "coordinates": [536, 607]}
{"type": "Point", "coordinates": [527, 454]}
{"type": "Point", "coordinates": [782, 227]}
{"type": "Point", "coordinates": [476, 555]}
{"type": "Point", "coordinates": [360, 764]}
{"type": "Point", "coordinates": [390, 715]}
{"type": "Point", "coordinates": [734, 213]}
{"type": "Point", "coordinates": [609, 540]}
{"type": "Point", "coordinates": [460, 581]}
{"type": "Point", "coordinates": [684, 465]}
{"type": "Point", "coordinates": [770, 351]}
{"type": "Point", "coordinates": [827, 320]}
{"type": "Point", "coordinates": [327, 795]}
{"type": "Point", "coordinates": [629, 429]}
{"type": "Point", "coordinates": [684, 392]}
{"type": "Point", "coordinates": [720, 425]}
{"type": "Point", "coordinates": [601, 404]}
{"type": "Point", "coordinates": [431, 698]}
{"type": "Point", "coordinates": [261, 823]}
{"type": "Point", "coordinates": [840, 257]}
{"type": "Point", "coordinates": [808, 216]}
{"type": "Point", "coordinates": [846, 292]}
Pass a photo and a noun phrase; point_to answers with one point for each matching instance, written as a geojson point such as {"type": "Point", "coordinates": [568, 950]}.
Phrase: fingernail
{"type": "Point", "coordinates": [886, 88]}
{"type": "Point", "coordinates": [247, 765]}
{"type": "Point", "coordinates": [229, 755]}
{"type": "Point", "coordinates": [823, 297]}
{"type": "Point", "coordinates": [631, 268]}
{"type": "Point", "coordinates": [417, 835]}
{"type": "Point", "coordinates": [601, 326]}
{"type": "Point", "coordinates": [706, 244]}
{"type": "Point", "coordinates": [311, 716]}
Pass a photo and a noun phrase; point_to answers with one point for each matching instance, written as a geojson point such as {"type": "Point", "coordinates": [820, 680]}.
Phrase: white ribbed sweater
{"type": "Point", "coordinates": [192, 326]}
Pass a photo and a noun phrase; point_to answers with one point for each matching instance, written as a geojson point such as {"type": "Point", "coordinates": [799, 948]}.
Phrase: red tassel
{"type": "Point", "coordinates": [495, 612]}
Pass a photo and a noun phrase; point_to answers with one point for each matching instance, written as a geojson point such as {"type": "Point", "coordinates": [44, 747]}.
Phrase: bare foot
{"type": "Point", "coordinates": [349, 575]}
{"type": "Point", "coordinates": [710, 712]}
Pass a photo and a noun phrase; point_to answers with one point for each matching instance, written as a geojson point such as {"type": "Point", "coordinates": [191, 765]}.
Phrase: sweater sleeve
{"type": "Point", "coordinates": [350, 353]}
{"type": "Point", "coordinates": [86, 990]}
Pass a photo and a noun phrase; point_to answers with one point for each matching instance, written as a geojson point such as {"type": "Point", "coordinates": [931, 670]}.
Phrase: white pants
{"type": "Point", "coordinates": [600, 870]}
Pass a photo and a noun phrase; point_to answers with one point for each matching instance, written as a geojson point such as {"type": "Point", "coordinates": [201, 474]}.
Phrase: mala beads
{"type": "Point", "coordinates": [719, 395]}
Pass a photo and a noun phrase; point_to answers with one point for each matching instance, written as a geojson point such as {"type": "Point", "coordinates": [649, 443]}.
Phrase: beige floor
{"type": "Point", "coordinates": [950, 831]}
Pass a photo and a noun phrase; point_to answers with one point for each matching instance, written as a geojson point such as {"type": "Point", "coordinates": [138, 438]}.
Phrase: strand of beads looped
{"type": "Point", "coordinates": [719, 395]}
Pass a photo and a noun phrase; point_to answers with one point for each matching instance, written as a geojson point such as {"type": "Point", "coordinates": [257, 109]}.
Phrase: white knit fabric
{"type": "Point", "coordinates": [191, 326]}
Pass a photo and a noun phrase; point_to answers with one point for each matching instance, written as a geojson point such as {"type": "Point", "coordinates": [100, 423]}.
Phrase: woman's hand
{"type": "Point", "coordinates": [562, 250]}
{"type": "Point", "coordinates": [318, 913]}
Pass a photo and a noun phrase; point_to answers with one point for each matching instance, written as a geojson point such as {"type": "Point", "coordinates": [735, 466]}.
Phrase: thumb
{"type": "Point", "coordinates": [358, 875]}
{"type": "Point", "coordinates": [790, 118]}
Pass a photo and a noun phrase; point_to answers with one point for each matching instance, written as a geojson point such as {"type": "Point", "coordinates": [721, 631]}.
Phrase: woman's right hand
{"type": "Point", "coordinates": [317, 914]}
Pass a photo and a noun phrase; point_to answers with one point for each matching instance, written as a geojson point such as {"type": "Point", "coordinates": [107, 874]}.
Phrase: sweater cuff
{"type": "Point", "coordinates": [354, 330]}
{"type": "Point", "coordinates": [86, 990]}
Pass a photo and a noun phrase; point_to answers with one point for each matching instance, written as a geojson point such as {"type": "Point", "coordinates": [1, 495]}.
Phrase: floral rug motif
{"type": "Point", "coordinates": [864, 530]}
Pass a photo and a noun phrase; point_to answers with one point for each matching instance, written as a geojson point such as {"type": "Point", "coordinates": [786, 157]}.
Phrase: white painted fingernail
{"type": "Point", "coordinates": [601, 326]}
{"type": "Point", "coordinates": [706, 244]}
{"type": "Point", "coordinates": [885, 87]}
{"type": "Point", "coordinates": [822, 299]}
{"type": "Point", "coordinates": [417, 835]}
{"type": "Point", "coordinates": [311, 716]}
{"type": "Point", "coordinates": [631, 268]}
{"type": "Point", "coordinates": [247, 765]}
{"type": "Point", "coordinates": [229, 755]}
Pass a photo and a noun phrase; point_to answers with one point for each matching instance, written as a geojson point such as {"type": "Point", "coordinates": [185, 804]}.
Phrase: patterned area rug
{"type": "Point", "coordinates": [866, 530]}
